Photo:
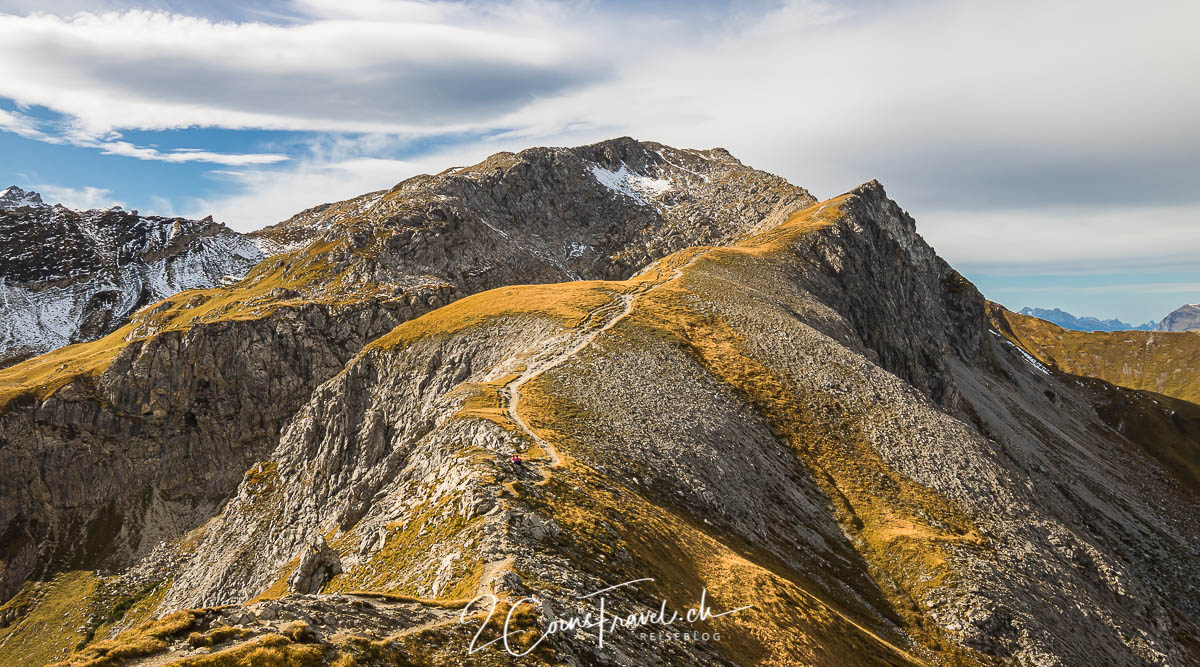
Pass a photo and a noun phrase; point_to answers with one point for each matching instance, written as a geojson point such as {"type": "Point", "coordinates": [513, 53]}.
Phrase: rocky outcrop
{"type": "Point", "coordinates": [99, 474]}
{"type": "Point", "coordinates": [318, 564]}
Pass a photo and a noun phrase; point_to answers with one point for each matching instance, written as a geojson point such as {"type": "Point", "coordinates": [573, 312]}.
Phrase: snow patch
{"type": "Point", "coordinates": [38, 318]}
{"type": "Point", "coordinates": [631, 184]}
{"type": "Point", "coordinates": [576, 249]}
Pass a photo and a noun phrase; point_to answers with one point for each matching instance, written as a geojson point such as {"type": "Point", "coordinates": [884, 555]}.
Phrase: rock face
{"type": "Point", "coordinates": [1184, 318]}
{"type": "Point", "coordinates": [68, 276]}
{"type": "Point", "coordinates": [317, 566]}
{"type": "Point", "coordinates": [793, 409]}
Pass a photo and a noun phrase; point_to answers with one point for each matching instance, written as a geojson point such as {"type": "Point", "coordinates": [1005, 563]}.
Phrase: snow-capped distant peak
{"type": "Point", "coordinates": [631, 184]}
{"type": "Point", "coordinates": [14, 197]}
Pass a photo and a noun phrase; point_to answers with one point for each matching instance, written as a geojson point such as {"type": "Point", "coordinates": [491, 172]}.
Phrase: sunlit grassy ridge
{"type": "Point", "coordinates": [904, 529]}
{"type": "Point", "coordinates": [568, 303]}
{"type": "Point", "coordinates": [1160, 361]}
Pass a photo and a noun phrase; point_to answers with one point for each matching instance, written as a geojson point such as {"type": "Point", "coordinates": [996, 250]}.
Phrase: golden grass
{"type": "Point", "coordinates": [568, 303]}
{"type": "Point", "coordinates": [792, 621]}
{"type": "Point", "coordinates": [487, 400]}
{"type": "Point", "coordinates": [41, 376]}
{"type": "Point", "coordinates": [134, 611]}
{"type": "Point", "coordinates": [1160, 361]}
{"type": "Point", "coordinates": [270, 650]}
{"type": "Point", "coordinates": [147, 639]}
{"type": "Point", "coordinates": [279, 587]}
{"type": "Point", "coordinates": [51, 628]}
{"type": "Point", "coordinates": [407, 545]}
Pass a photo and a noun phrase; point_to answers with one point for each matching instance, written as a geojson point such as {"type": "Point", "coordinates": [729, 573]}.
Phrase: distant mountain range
{"type": "Point", "coordinates": [1184, 318]}
{"type": "Point", "coordinates": [1068, 321]}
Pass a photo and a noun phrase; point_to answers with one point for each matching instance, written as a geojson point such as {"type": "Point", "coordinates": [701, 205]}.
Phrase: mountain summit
{"type": "Point", "coordinates": [14, 197]}
{"type": "Point", "coordinates": [564, 370]}
{"type": "Point", "coordinates": [1184, 318]}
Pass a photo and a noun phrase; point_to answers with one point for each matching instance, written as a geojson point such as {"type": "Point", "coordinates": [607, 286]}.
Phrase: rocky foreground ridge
{"type": "Point", "coordinates": [715, 381]}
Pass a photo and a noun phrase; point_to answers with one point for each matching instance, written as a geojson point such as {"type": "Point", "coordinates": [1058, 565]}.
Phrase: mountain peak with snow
{"type": "Point", "coordinates": [15, 197]}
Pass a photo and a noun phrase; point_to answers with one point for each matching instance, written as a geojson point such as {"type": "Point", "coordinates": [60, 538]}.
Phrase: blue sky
{"type": "Point", "coordinates": [1046, 149]}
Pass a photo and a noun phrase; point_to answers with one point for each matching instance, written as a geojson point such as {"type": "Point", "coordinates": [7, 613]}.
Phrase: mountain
{"type": "Point", "coordinates": [69, 276]}
{"type": "Point", "coordinates": [1068, 321]}
{"type": "Point", "coordinates": [722, 389]}
{"type": "Point", "coordinates": [14, 197]}
{"type": "Point", "coordinates": [1162, 362]}
{"type": "Point", "coordinates": [1185, 318]}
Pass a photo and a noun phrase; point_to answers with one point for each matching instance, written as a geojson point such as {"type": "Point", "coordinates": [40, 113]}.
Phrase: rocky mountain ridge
{"type": "Point", "coordinates": [72, 276]}
{"type": "Point", "coordinates": [197, 388]}
{"type": "Point", "coordinates": [717, 383]}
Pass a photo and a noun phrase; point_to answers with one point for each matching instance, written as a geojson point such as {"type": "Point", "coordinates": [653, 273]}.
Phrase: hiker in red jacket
{"type": "Point", "coordinates": [516, 460]}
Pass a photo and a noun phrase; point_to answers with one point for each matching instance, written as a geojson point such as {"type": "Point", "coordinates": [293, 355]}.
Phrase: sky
{"type": "Point", "coordinates": [1048, 150]}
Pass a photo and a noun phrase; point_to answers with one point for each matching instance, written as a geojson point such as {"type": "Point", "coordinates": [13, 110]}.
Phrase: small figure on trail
{"type": "Point", "coordinates": [516, 460]}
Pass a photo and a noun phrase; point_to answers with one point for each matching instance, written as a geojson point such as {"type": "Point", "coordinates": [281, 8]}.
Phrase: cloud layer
{"type": "Point", "coordinates": [1020, 132]}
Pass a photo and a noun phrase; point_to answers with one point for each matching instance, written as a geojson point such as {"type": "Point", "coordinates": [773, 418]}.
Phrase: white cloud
{"type": "Point", "coordinates": [1017, 132]}
{"type": "Point", "coordinates": [402, 71]}
{"type": "Point", "coordinates": [22, 125]}
{"type": "Point", "coordinates": [264, 197]}
{"type": "Point", "coordinates": [83, 198]}
{"type": "Point", "coordinates": [30, 128]}
{"type": "Point", "coordinates": [1066, 239]}
{"type": "Point", "coordinates": [186, 154]}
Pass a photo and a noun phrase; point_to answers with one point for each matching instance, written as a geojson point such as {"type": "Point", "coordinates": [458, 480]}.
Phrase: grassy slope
{"type": "Point", "coordinates": [793, 619]}
{"type": "Point", "coordinates": [1160, 361]}
{"type": "Point", "coordinates": [1165, 425]}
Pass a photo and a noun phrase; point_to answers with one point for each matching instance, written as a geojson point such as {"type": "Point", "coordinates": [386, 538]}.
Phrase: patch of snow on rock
{"type": "Point", "coordinates": [14, 197]}
{"type": "Point", "coordinates": [631, 184]}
